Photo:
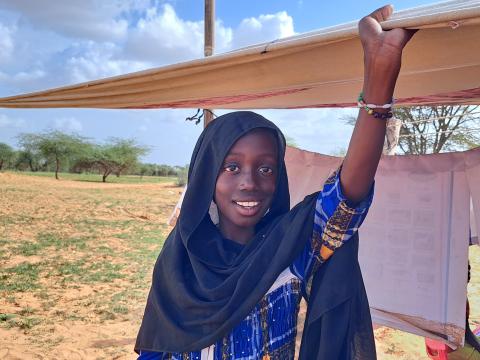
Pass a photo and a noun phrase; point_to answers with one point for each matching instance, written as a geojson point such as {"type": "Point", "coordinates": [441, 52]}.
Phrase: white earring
{"type": "Point", "coordinates": [213, 212]}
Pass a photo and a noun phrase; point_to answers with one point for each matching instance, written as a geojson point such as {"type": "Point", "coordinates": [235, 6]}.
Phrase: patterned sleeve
{"type": "Point", "coordinates": [336, 221]}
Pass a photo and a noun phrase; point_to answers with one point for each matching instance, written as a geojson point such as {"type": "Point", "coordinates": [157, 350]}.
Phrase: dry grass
{"type": "Point", "coordinates": [75, 265]}
{"type": "Point", "coordinates": [76, 259]}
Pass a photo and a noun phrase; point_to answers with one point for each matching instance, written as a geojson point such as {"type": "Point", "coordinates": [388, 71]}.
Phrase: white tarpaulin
{"type": "Point", "coordinates": [414, 242]}
{"type": "Point", "coordinates": [318, 69]}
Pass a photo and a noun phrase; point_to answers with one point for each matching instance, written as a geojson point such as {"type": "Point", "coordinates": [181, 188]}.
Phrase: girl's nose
{"type": "Point", "coordinates": [247, 181]}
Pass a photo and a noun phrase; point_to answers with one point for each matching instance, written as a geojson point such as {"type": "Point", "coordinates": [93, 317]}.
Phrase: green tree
{"type": "Point", "coordinates": [182, 176]}
{"type": "Point", "coordinates": [26, 159]}
{"type": "Point", "coordinates": [118, 156]}
{"type": "Point", "coordinates": [291, 141]}
{"type": "Point", "coordinates": [55, 146]}
{"type": "Point", "coordinates": [433, 129]}
{"type": "Point", "coordinates": [7, 154]}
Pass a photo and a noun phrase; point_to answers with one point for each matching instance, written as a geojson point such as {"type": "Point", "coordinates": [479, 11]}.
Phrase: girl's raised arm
{"type": "Point", "coordinates": [382, 60]}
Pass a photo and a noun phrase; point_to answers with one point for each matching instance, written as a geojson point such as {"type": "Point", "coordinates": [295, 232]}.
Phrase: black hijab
{"type": "Point", "coordinates": [203, 287]}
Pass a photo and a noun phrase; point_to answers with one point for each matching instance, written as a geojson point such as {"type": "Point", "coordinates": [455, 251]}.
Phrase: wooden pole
{"type": "Point", "coordinates": [209, 45]}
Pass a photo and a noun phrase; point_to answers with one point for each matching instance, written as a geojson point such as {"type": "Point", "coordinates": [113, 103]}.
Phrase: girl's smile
{"type": "Point", "coordinates": [246, 184]}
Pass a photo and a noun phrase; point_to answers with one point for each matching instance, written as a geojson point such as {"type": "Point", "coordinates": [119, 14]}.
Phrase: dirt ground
{"type": "Point", "coordinates": [75, 265]}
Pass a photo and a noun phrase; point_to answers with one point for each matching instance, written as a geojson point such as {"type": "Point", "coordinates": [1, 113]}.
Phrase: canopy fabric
{"type": "Point", "coordinates": [318, 69]}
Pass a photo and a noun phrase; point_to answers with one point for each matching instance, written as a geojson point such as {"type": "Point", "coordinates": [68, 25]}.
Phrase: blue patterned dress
{"type": "Point", "coordinates": [271, 327]}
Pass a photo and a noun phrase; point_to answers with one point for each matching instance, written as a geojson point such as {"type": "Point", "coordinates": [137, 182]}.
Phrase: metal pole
{"type": "Point", "coordinates": [209, 45]}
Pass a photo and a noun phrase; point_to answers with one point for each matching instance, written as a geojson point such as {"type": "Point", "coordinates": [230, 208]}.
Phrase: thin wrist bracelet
{"type": "Point", "coordinates": [361, 103]}
{"type": "Point", "coordinates": [369, 108]}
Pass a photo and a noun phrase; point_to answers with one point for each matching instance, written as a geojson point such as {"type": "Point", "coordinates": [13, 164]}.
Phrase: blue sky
{"type": "Point", "coordinates": [43, 46]}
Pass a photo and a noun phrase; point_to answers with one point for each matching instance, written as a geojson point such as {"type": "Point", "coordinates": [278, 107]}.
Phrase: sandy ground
{"type": "Point", "coordinates": [95, 248]}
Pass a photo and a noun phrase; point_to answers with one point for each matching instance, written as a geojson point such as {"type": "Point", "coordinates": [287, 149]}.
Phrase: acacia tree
{"type": "Point", "coordinates": [117, 156]}
{"type": "Point", "coordinates": [28, 159]}
{"type": "Point", "coordinates": [55, 146]}
{"type": "Point", "coordinates": [7, 154]}
{"type": "Point", "coordinates": [433, 129]}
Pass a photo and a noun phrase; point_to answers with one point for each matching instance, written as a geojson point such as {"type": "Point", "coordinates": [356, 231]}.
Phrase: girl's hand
{"type": "Point", "coordinates": [382, 47]}
{"type": "Point", "coordinates": [382, 55]}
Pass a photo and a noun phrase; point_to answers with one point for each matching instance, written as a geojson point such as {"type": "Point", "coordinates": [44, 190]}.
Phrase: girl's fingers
{"type": "Point", "coordinates": [371, 23]}
{"type": "Point", "coordinates": [383, 13]}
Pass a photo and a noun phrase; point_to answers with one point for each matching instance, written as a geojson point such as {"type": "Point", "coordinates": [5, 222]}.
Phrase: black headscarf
{"type": "Point", "coordinates": [203, 287]}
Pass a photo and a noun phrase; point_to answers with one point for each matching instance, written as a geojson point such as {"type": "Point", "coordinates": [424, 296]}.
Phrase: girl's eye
{"type": "Point", "coordinates": [265, 170]}
{"type": "Point", "coordinates": [231, 168]}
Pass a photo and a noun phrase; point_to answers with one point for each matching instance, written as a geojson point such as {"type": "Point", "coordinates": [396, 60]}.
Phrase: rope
{"type": "Point", "coordinates": [440, 132]}
{"type": "Point", "coordinates": [199, 116]}
{"type": "Point", "coordinates": [442, 117]}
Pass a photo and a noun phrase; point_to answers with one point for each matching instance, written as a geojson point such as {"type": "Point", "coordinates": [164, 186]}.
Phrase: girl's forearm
{"type": "Point", "coordinates": [382, 59]}
{"type": "Point", "coordinates": [368, 136]}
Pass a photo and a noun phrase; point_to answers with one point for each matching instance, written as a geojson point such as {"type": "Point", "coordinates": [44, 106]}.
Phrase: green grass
{"type": "Point", "coordinates": [123, 179]}
{"type": "Point", "coordinates": [20, 278]}
{"type": "Point", "coordinates": [25, 323]}
{"type": "Point", "coordinates": [86, 271]}
{"type": "Point", "coordinates": [28, 248]}
{"type": "Point", "coordinates": [26, 311]}
{"type": "Point", "coordinates": [17, 219]}
{"type": "Point", "coordinates": [47, 240]}
{"type": "Point", "coordinates": [103, 271]}
{"type": "Point", "coordinates": [6, 317]}
{"type": "Point", "coordinates": [71, 270]}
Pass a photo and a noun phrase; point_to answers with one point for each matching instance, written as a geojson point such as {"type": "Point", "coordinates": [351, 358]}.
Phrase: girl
{"type": "Point", "coordinates": [230, 289]}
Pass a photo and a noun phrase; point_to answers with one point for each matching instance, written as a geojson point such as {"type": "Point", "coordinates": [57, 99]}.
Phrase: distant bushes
{"type": "Point", "coordinates": [56, 151]}
{"type": "Point", "coordinates": [182, 176]}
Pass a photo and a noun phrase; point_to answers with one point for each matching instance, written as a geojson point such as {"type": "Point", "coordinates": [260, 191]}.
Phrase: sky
{"type": "Point", "coordinates": [45, 44]}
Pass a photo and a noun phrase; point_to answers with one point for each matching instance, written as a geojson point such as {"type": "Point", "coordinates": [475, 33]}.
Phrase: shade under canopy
{"type": "Point", "coordinates": [318, 69]}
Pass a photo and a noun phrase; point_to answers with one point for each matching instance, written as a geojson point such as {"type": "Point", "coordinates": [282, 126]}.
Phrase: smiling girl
{"type": "Point", "coordinates": [230, 289]}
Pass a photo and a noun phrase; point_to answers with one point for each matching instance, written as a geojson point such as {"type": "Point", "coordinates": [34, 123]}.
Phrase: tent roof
{"type": "Point", "coordinates": [323, 68]}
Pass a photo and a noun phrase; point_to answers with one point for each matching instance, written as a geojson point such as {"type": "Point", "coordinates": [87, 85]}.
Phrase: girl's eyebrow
{"type": "Point", "coordinates": [259, 155]}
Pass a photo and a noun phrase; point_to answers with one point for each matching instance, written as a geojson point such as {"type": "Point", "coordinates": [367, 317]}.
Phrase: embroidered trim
{"type": "Point", "coordinates": [263, 316]}
{"type": "Point", "coordinates": [317, 260]}
{"type": "Point", "coordinates": [333, 177]}
{"type": "Point", "coordinates": [332, 236]}
{"type": "Point", "coordinates": [337, 226]}
{"type": "Point", "coordinates": [286, 351]}
{"type": "Point", "coordinates": [225, 348]}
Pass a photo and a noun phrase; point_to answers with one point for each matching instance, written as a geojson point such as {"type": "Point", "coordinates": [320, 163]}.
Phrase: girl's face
{"type": "Point", "coordinates": [246, 184]}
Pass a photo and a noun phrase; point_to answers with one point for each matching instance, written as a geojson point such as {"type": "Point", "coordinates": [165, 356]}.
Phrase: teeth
{"type": "Point", "coordinates": [247, 203]}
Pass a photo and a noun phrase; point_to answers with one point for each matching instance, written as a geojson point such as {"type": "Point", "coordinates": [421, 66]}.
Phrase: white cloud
{"type": "Point", "coordinates": [156, 36]}
{"type": "Point", "coordinates": [92, 60]}
{"type": "Point", "coordinates": [68, 124]}
{"type": "Point", "coordinates": [91, 19]}
{"type": "Point", "coordinates": [8, 122]}
{"type": "Point", "coordinates": [162, 37]}
{"type": "Point", "coordinates": [6, 44]}
{"type": "Point", "coordinates": [223, 37]}
{"type": "Point", "coordinates": [263, 28]}
{"type": "Point", "coordinates": [5, 121]}
{"type": "Point", "coordinates": [23, 81]}
{"type": "Point", "coordinates": [318, 130]}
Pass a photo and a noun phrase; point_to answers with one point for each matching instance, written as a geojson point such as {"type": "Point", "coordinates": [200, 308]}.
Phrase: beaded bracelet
{"type": "Point", "coordinates": [369, 108]}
